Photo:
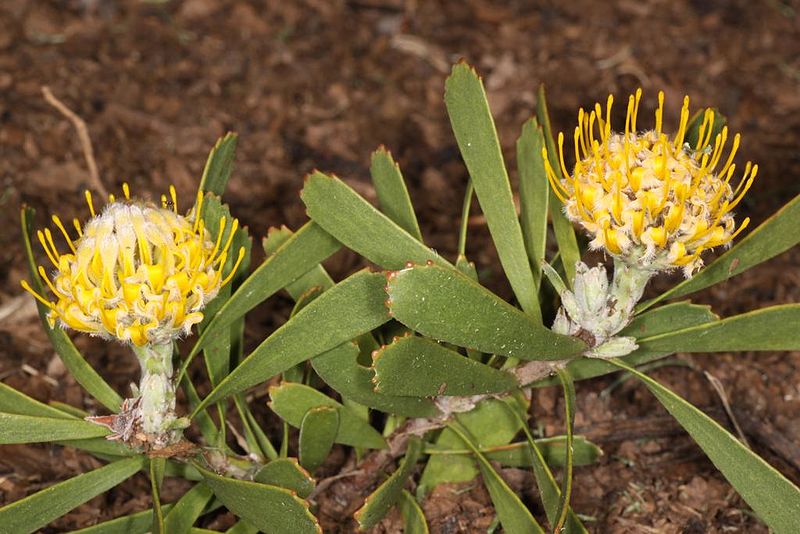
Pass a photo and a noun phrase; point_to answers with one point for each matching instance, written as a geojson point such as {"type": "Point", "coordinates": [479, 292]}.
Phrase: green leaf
{"type": "Point", "coordinates": [359, 226]}
{"type": "Point", "coordinates": [242, 527]}
{"type": "Point", "coordinates": [16, 428]}
{"type": "Point", "coordinates": [316, 277]}
{"type": "Point", "coordinates": [287, 473]}
{"type": "Point", "coordinates": [73, 360]}
{"type": "Point", "coordinates": [339, 368]}
{"type": "Point", "coordinates": [413, 518]}
{"type": "Point", "coordinates": [318, 430]}
{"type": "Point", "coordinates": [563, 229]}
{"type": "Point", "coordinates": [491, 425]}
{"type": "Point", "coordinates": [551, 494]}
{"type": "Point", "coordinates": [37, 510]}
{"type": "Point", "coordinates": [513, 514]}
{"type": "Point", "coordinates": [475, 132]}
{"type": "Point", "coordinates": [351, 308]}
{"type": "Point", "coordinates": [300, 253]}
{"type": "Point", "coordinates": [446, 305]}
{"type": "Point", "coordinates": [291, 401]}
{"type": "Point", "coordinates": [392, 192]}
{"type": "Point", "coordinates": [257, 440]}
{"type": "Point", "coordinates": [378, 504]}
{"type": "Point", "coordinates": [772, 328]}
{"type": "Point", "coordinates": [157, 466]}
{"type": "Point", "coordinates": [219, 165]}
{"type": "Point", "coordinates": [533, 193]}
{"type": "Point", "coordinates": [217, 354]}
{"type": "Point", "coordinates": [268, 508]}
{"type": "Point", "coordinates": [774, 498]}
{"type": "Point", "coordinates": [138, 523]}
{"type": "Point", "coordinates": [566, 484]}
{"type": "Point", "coordinates": [187, 510]}
{"type": "Point", "coordinates": [418, 367]}
{"type": "Point", "coordinates": [775, 235]}
{"type": "Point", "coordinates": [520, 454]}
{"type": "Point", "coordinates": [16, 402]}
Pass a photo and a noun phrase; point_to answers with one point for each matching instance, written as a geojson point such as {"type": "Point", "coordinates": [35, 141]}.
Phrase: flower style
{"type": "Point", "coordinates": [137, 272]}
{"type": "Point", "coordinates": [652, 201]}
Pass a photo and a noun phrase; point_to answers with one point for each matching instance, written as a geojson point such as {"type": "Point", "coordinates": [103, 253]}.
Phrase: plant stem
{"type": "Point", "coordinates": [157, 391]}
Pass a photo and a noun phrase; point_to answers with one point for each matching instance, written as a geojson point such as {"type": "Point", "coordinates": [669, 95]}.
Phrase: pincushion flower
{"type": "Point", "coordinates": [654, 202]}
{"type": "Point", "coordinates": [137, 272]}
{"type": "Point", "coordinates": [647, 198]}
{"type": "Point", "coordinates": [140, 274]}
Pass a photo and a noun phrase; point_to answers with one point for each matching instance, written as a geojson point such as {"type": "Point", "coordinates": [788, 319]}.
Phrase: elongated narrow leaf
{"type": "Point", "coordinates": [513, 514]}
{"type": "Point", "coordinates": [219, 165]}
{"type": "Point", "coordinates": [339, 368]}
{"type": "Point", "coordinates": [157, 467]}
{"type": "Point", "coordinates": [318, 431]}
{"type": "Point", "coordinates": [775, 235]}
{"type": "Point", "coordinates": [73, 360]}
{"type": "Point", "coordinates": [474, 129]}
{"type": "Point", "coordinates": [772, 328]}
{"type": "Point", "coordinates": [138, 523]}
{"type": "Point", "coordinates": [533, 195]}
{"type": "Point", "coordinates": [774, 498]}
{"type": "Point", "coordinates": [413, 518]}
{"type": "Point", "coordinates": [316, 277]}
{"type": "Point", "coordinates": [359, 226]}
{"type": "Point", "coordinates": [13, 401]}
{"type": "Point", "coordinates": [566, 483]}
{"type": "Point", "coordinates": [392, 192]}
{"type": "Point", "coordinates": [187, 510]}
{"type": "Point", "coordinates": [378, 504]}
{"type": "Point", "coordinates": [519, 454]}
{"type": "Point", "coordinates": [287, 473]}
{"type": "Point", "coordinates": [27, 429]}
{"type": "Point", "coordinates": [418, 367]}
{"type": "Point", "coordinates": [446, 305]}
{"type": "Point", "coordinates": [563, 229]}
{"type": "Point", "coordinates": [291, 401]}
{"type": "Point", "coordinates": [349, 309]}
{"type": "Point", "coordinates": [37, 510]}
{"type": "Point", "coordinates": [268, 508]}
{"type": "Point", "coordinates": [551, 494]}
{"type": "Point", "coordinates": [300, 253]}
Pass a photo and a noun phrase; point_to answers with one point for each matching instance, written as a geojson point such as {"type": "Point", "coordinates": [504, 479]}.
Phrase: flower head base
{"type": "Point", "coordinates": [650, 200]}
{"type": "Point", "coordinates": [137, 272]}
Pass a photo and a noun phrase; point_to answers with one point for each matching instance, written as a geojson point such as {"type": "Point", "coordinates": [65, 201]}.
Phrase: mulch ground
{"type": "Point", "coordinates": [318, 84]}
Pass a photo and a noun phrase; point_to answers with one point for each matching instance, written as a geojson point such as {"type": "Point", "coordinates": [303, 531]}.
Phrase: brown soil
{"type": "Point", "coordinates": [320, 84]}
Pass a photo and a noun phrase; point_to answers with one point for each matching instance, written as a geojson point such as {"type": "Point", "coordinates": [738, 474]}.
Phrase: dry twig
{"type": "Point", "coordinates": [83, 136]}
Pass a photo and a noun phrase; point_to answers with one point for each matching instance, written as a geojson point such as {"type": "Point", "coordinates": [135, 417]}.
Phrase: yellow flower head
{"type": "Point", "coordinates": [651, 200]}
{"type": "Point", "coordinates": [137, 272]}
